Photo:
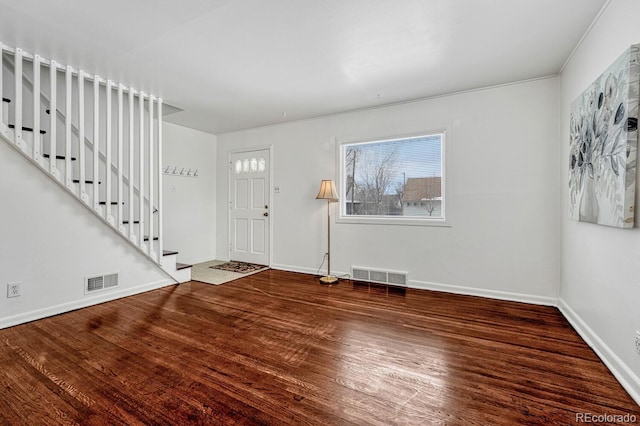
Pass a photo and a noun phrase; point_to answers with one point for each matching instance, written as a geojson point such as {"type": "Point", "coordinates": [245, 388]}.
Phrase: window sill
{"type": "Point", "coordinates": [400, 221]}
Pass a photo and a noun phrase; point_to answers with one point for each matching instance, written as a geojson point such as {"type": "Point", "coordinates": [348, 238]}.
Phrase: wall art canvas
{"type": "Point", "coordinates": [603, 144]}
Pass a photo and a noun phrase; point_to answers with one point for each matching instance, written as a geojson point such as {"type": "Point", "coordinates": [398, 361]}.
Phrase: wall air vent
{"type": "Point", "coordinates": [397, 278]}
{"type": "Point", "coordinates": [359, 274]}
{"type": "Point", "coordinates": [379, 276]}
{"type": "Point", "coordinates": [100, 282]}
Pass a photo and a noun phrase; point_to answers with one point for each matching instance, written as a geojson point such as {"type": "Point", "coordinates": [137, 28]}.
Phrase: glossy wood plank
{"type": "Point", "coordinates": [280, 348]}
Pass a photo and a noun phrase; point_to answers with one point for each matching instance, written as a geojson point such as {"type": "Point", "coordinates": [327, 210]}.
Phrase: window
{"type": "Point", "coordinates": [393, 180]}
{"type": "Point", "coordinates": [250, 166]}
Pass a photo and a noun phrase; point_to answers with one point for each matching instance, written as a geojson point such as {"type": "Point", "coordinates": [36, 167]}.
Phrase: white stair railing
{"type": "Point", "coordinates": [27, 83]}
{"type": "Point", "coordinates": [118, 174]}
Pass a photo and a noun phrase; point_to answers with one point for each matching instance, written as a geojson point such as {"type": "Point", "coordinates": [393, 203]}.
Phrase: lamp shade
{"type": "Point", "coordinates": [327, 191]}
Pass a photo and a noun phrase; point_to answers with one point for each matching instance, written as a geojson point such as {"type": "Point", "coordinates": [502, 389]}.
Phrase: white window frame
{"type": "Point", "coordinates": [391, 220]}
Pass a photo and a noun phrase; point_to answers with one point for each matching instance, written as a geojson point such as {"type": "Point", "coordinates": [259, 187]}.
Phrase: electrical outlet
{"type": "Point", "coordinates": [13, 290]}
{"type": "Point", "coordinates": [638, 342]}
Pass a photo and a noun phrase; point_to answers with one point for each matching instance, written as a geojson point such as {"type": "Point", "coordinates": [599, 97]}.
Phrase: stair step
{"type": "Point", "coordinates": [27, 129]}
{"type": "Point", "coordinates": [6, 100]}
{"type": "Point", "coordinates": [113, 203]}
{"type": "Point", "coordinates": [180, 266]}
{"type": "Point", "coordinates": [90, 182]}
{"type": "Point", "coordinates": [147, 238]}
{"type": "Point", "coordinates": [59, 157]}
{"type": "Point", "coordinates": [168, 252]}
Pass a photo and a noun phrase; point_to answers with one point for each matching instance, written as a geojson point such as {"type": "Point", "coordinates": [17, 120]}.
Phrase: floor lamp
{"type": "Point", "coordinates": [328, 192]}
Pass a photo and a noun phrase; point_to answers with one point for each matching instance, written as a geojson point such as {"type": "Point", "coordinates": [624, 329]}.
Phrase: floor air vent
{"type": "Point", "coordinates": [101, 282]}
{"type": "Point", "coordinates": [379, 276]}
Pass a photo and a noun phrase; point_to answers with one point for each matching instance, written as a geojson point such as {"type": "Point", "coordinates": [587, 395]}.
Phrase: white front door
{"type": "Point", "coordinates": [249, 206]}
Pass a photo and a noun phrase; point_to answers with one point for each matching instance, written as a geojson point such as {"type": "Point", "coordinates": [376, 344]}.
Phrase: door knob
{"type": "Point", "coordinates": [265, 214]}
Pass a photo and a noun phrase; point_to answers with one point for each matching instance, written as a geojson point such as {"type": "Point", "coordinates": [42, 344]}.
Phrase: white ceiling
{"type": "Point", "coordinates": [237, 64]}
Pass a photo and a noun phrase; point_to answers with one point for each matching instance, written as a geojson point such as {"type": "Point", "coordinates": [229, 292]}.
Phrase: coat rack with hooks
{"type": "Point", "coordinates": [180, 171]}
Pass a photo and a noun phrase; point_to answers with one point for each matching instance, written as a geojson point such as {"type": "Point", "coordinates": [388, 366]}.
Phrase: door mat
{"type": "Point", "coordinates": [240, 267]}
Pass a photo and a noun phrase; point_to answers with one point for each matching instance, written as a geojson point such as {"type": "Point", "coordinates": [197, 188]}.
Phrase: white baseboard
{"type": "Point", "coordinates": [424, 285]}
{"type": "Point", "coordinates": [310, 271]}
{"type": "Point", "coordinates": [491, 294]}
{"type": "Point", "coordinates": [81, 303]}
{"type": "Point", "coordinates": [627, 378]}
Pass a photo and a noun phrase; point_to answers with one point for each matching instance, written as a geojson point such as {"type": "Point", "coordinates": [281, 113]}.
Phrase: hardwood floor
{"type": "Point", "coordinates": [280, 348]}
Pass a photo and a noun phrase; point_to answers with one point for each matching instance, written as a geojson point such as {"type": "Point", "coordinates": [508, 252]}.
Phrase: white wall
{"type": "Point", "coordinates": [50, 243]}
{"type": "Point", "coordinates": [189, 203]}
{"type": "Point", "coordinates": [600, 269]}
{"type": "Point", "coordinates": [502, 193]}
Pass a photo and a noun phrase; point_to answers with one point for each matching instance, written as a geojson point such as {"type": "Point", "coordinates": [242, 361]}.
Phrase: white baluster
{"type": "Point", "coordinates": [67, 129]}
{"type": "Point", "coordinates": [108, 156]}
{"type": "Point", "coordinates": [81, 150]}
{"type": "Point", "coordinates": [141, 173]}
{"type": "Point", "coordinates": [53, 108]}
{"type": "Point", "coordinates": [132, 235]}
{"type": "Point", "coordinates": [18, 107]}
{"type": "Point", "coordinates": [120, 144]}
{"type": "Point", "coordinates": [159, 179]}
{"type": "Point", "coordinates": [96, 142]}
{"type": "Point", "coordinates": [3, 124]}
{"type": "Point", "coordinates": [36, 109]}
{"type": "Point", "coordinates": [151, 178]}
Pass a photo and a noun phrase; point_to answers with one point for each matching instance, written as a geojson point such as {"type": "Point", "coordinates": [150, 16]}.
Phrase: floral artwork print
{"type": "Point", "coordinates": [603, 143]}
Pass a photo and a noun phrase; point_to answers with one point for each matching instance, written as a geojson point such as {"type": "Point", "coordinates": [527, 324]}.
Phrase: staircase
{"type": "Point", "coordinates": [98, 140]}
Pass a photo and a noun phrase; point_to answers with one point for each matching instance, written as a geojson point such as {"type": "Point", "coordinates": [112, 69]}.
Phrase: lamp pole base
{"type": "Point", "coordinates": [329, 279]}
